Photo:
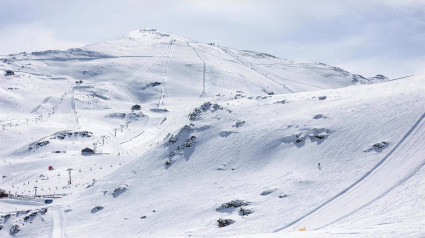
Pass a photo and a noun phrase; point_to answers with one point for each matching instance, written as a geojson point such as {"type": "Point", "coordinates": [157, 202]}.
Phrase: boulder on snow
{"type": "Point", "coordinates": [322, 97]}
{"type": "Point", "coordinates": [151, 85]}
{"type": "Point", "coordinates": [378, 147]}
{"type": "Point", "coordinates": [232, 204]}
{"type": "Point", "coordinates": [281, 101]}
{"type": "Point", "coordinates": [120, 190]}
{"type": "Point", "coordinates": [135, 107]}
{"type": "Point", "coordinates": [283, 195]}
{"type": "Point", "coordinates": [239, 124]}
{"type": "Point", "coordinates": [30, 217]}
{"type": "Point", "coordinates": [267, 191]}
{"type": "Point", "coordinates": [96, 209]}
{"type": "Point", "coordinates": [224, 222]}
{"type": "Point", "coordinates": [318, 116]}
{"type": "Point", "coordinates": [14, 229]}
{"type": "Point", "coordinates": [9, 73]}
{"type": "Point", "coordinates": [245, 211]}
{"type": "Point", "coordinates": [208, 106]}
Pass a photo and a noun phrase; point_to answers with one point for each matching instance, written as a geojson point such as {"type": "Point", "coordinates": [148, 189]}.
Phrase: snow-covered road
{"type": "Point", "coordinates": [404, 160]}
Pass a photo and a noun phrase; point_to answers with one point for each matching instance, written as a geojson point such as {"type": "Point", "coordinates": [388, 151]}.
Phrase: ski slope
{"type": "Point", "coordinates": [402, 162]}
{"type": "Point", "coordinates": [215, 125]}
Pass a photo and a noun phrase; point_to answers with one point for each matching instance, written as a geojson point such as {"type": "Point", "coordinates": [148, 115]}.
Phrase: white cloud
{"type": "Point", "coordinates": [32, 37]}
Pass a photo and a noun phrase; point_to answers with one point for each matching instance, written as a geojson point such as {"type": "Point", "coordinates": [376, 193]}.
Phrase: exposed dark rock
{"type": "Point", "coordinates": [225, 133]}
{"type": "Point", "coordinates": [43, 211]}
{"type": "Point", "coordinates": [208, 106]}
{"type": "Point", "coordinates": [224, 222]}
{"type": "Point", "coordinates": [9, 73]}
{"type": "Point", "coordinates": [232, 204]}
{"type": "Point", "coordinates": [120, 190]}
{"type": "Point", "coordinates": [378, 147]}
{"type": "Point", "coordinates": [318, 116]}
{"type": "Point", "coordinates": [39, 144]}
{"type": "Point", "coordinates": [136, 107]}
{"type": "Point", "coordinates": [96, 209]}
{"type": "Point", "coordinates": [283, 195]}
{"type": "Point", "coordinates": [14, 229]}
{"type": "Point", "coordinates": [245, 211]}
{"type": "Point", "coordinates": [239, 124]}
{"type": "Point", "coordinates": [151, 85]}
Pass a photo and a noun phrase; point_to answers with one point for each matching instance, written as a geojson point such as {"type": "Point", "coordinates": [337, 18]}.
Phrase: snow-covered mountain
{"type": "Point", "coordinates": [201, 140]}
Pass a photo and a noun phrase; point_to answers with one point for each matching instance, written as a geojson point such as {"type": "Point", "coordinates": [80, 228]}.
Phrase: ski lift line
{"type": "Point", "coordinates": [206, 52]}
{"type": "Point", "coordinates": [203, 71]}
{"type": "Point", "coordinates": [137, 70]}
{"type": "Point", "coordinates": [267, 75]}
{"type": "Point", "coordinates": [153, 63]}
{"type": "Point", "coordinates": [132, 138]}
{"type": "Point", "coordinates": [254, 66]}
{"type": "Point", "coordinates": [363, 178]}
{"type": "Point", "coordinates": [402, 77]}
{"type": "Point", "coordinates": [161, 98]}
{"type": "Point", "coordinates": [247, 82]}
{"type": "Point", "coordinates": [256, 70]}
{"type": "Point", "coordinates": [148, 68]}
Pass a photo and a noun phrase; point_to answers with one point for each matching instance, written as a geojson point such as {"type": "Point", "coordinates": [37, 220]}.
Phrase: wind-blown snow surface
{"type": "Point", "coordinates": [216, 125]}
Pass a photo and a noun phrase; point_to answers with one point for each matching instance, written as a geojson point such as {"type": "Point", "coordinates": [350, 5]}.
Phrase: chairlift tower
{"type": "Point", "coordinates": [69, 172]}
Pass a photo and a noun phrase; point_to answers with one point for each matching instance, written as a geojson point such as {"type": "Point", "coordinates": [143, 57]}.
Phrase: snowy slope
{"type": "Point", "coordinates": [216, 125]}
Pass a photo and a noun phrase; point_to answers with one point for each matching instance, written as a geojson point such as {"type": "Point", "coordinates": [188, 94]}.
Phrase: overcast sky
{"type": "Point", "coordinates": [364, 37]}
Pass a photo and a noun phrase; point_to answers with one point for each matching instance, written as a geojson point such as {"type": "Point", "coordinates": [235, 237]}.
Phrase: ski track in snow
{"type": "Point", "coordinates": [203, 71]}
{"type": "Point", "coordinates": [39, 105]}
{"type": "Point", "coordinates": [404, 160]}
{"type": "Point", "coordinates": [74, 109]}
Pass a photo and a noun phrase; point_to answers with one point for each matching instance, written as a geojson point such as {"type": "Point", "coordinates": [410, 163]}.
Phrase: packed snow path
{"type": "Point", "coordinates": [404, 160]}
{"type": "Point", "coordinates": [58, 228]}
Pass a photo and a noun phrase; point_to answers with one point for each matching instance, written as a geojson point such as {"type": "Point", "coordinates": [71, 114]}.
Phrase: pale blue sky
{"type": "Point", "coordinates": [365, 37]}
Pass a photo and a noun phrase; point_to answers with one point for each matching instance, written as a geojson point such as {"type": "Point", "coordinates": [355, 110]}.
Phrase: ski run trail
{"type": "Point", "coordinates": [402, 162]}
{"type": "Point", "coordinates": [194, 139]}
